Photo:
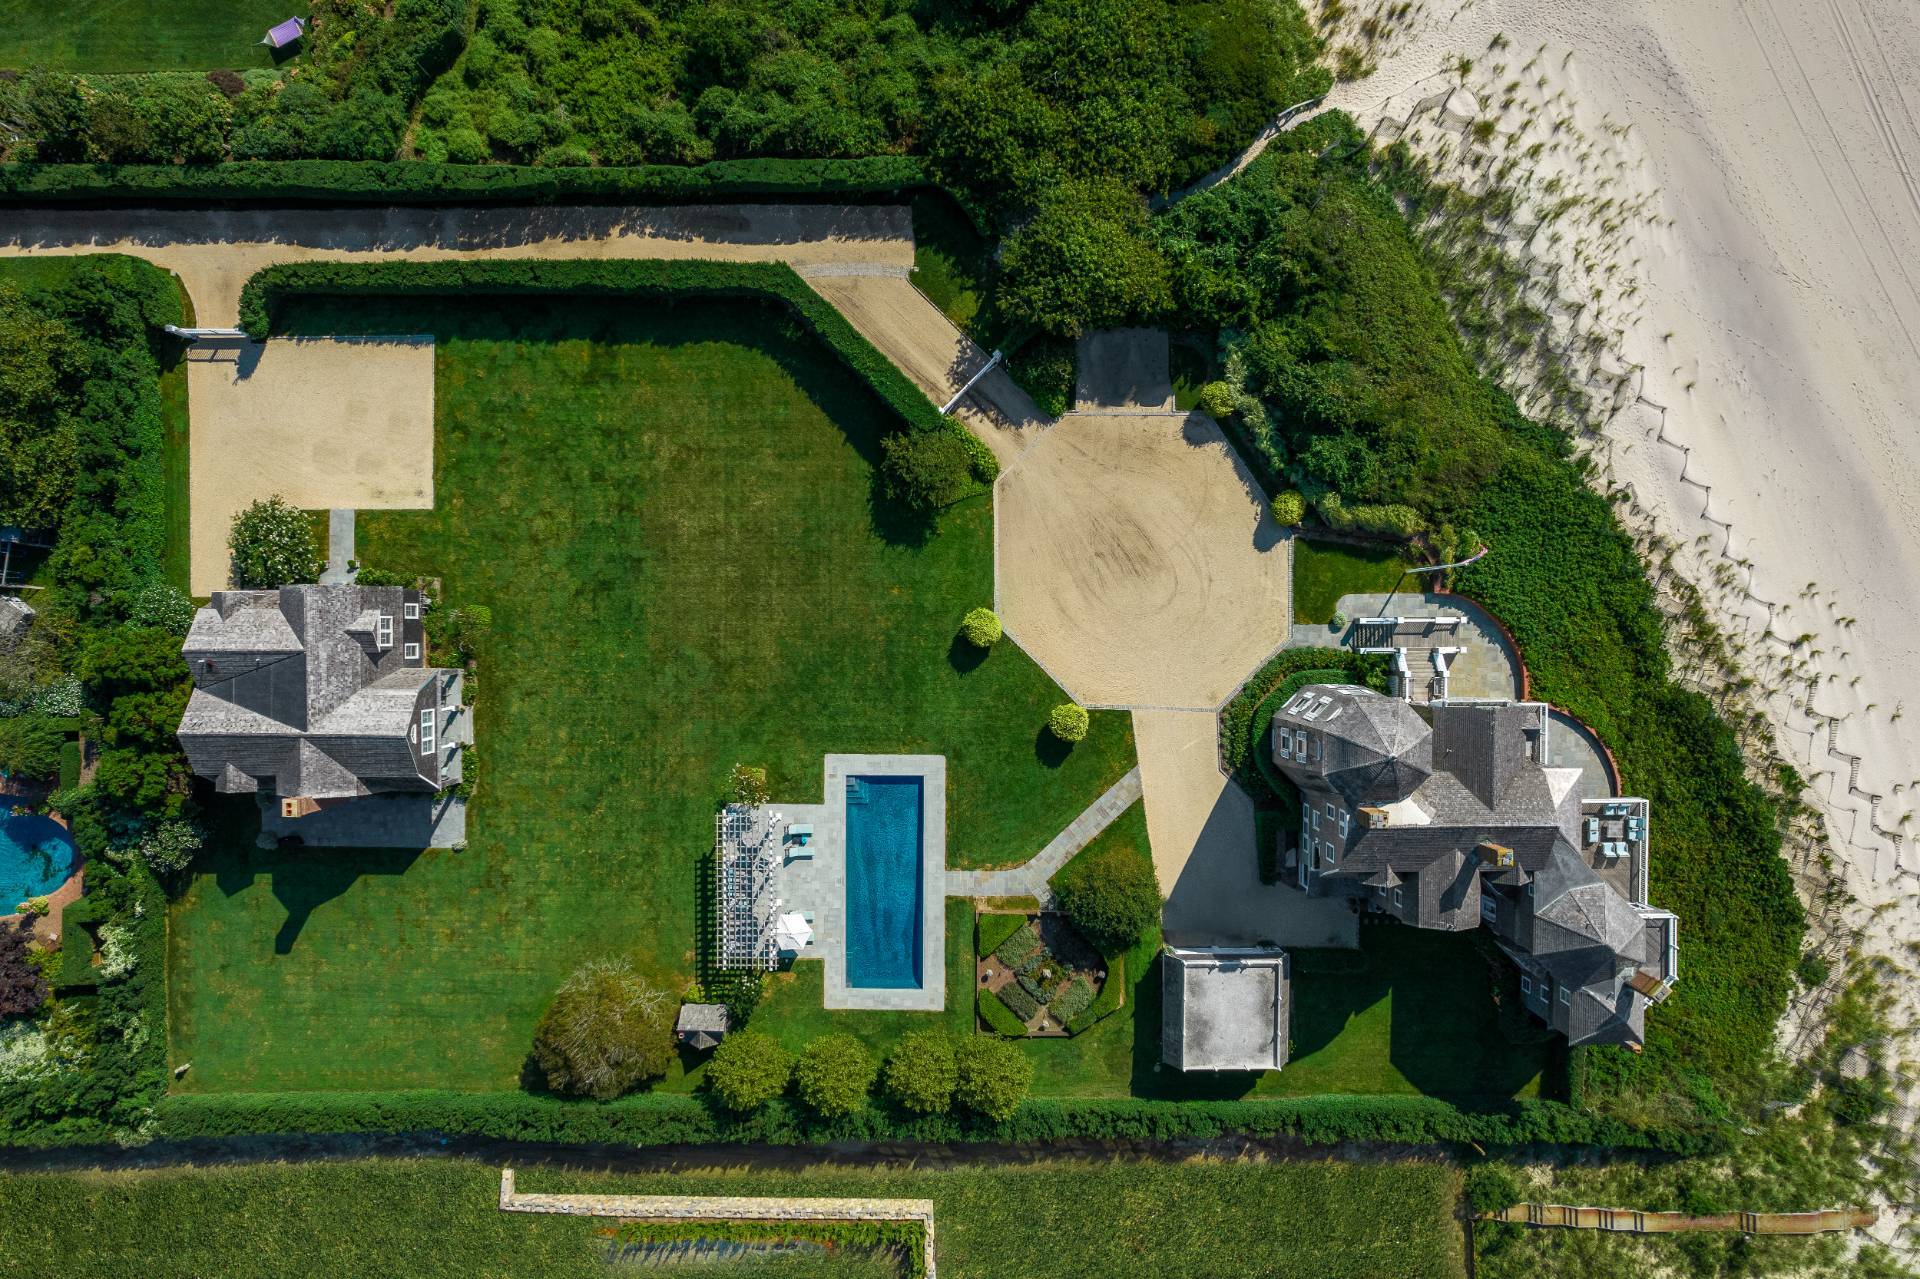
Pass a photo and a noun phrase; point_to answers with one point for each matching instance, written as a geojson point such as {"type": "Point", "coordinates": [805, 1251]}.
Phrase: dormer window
{"type": "Point", "coordinates": [410, 611]}
{"type": "Point", "coordinates": [426, 731]}
{"type": "Point", "coordinates": [383, 632]}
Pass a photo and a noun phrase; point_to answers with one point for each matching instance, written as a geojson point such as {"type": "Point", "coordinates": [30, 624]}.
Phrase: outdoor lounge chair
{"type": "Point", "coordinates": [800, 832]}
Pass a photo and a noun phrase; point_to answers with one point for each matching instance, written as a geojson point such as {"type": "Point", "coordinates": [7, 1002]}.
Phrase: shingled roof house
{"type": "Point", "coordinates": [1444, 816]}
{"type": "Point", "coordinates": [320, 694]}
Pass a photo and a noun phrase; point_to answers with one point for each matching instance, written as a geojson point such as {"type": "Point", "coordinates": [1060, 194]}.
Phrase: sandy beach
{"type": "Point", "coordinates": [1746, 188]}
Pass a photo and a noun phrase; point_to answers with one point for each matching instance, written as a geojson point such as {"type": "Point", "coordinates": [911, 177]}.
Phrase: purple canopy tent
{"type": "Point", "coordinates": [279, 37]}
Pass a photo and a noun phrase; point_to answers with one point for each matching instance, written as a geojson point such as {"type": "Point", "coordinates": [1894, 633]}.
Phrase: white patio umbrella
{"type": "Point", "coordinates": [792, 933]}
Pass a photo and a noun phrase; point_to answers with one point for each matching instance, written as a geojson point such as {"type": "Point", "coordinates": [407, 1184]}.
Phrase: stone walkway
{"type": "Point", "coordinates": [1029, 879]}
{"type": "Point", "coordinates": [340, 556]}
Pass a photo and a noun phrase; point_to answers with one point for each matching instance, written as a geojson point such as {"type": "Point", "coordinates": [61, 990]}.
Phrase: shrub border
{"type": "Point", "coordinates": [385, 182]}
{"type": "Point", "coordinates": [268, 288]}
{"type": "Point", "coordinates": [649, 1119]}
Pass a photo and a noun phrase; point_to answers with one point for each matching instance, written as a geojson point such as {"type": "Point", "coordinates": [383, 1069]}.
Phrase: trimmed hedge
{"type": "Point", "coordinates": [995, 928]}
{"type": "Point", "coordinates": [1000, 1019]}
{"type": "Point", "coordinates": [649, 1119]}
{"type": "Point", "coordinates": [336, 182]}
{"type": "Point", "coordinates": [1236, 718]}
{"type": "Point", "coordinates": [1015, 997]}
{"type": "Point", "coordinates": [1112, 996]}
{"type": "Point", "coordinates": [264, 291]}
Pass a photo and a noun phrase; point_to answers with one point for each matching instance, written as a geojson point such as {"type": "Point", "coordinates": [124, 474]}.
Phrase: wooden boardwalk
{"type": "Point", "coordinates": [1634, 1221]}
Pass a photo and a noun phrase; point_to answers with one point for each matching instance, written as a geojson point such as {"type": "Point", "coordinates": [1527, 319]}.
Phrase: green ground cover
{"type": "Point", "coordinates": [1324, 571]}
{"type": "Point", "coordinates": [413, 1219]}
{"type": "Point", "coordinates": [151, 35]}
{"type": "Point", "coordinates": [671, 513]}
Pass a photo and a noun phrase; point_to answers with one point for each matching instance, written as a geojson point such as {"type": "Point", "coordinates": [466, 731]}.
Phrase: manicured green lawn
{"type": "Point", "coordinates": [952, 262]}
{"type": "Point", "coordinates": [1324, 571]}
{"type": "Point", "coordinates": [1416, 1019]}
{"type": "Point", "coordinates": [671, 513]}
{"type": "Point", "coordinates": [1056, 1219]}
{"type": "Point", "coordinates": [148, 35]}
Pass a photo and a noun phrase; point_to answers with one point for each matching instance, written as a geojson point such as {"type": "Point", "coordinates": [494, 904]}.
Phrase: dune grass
{"type": "Point", "coordinates": [411, 1219]}
{"type": "Point", "coordinates": [671, 513]}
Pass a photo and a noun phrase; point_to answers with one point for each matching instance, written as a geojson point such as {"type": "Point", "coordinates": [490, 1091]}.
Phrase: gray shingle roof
{"type": "Point", "coordinates": [292, 690]}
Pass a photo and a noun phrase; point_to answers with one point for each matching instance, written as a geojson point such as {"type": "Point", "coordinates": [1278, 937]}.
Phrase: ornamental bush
{"type": "Point", "coordinates": [925, 470]}
{"type": "Point", "coordinates": [1216, 401]}
{"type": "Point", "coordinates": [921, 1072]}
{"type": "Point", "coordinates": [22, 987]}
{"type": "Point", "coordinates": [1069, 722]}
{"type": "Point", "coordinates": [607, 1031]}
{"type": "Point", "coordinates": [1019, 947]}
{"type": "Point", "coordinates": [1018, 1001]}
{"type": "Point", "coordinates": [30, 746]}
{"type": "Point", "coordinates": [1110, 894]}
{"type": "Point", "coordinates": [272, 546]}
{"type": "Point", "coordinates": [748, 1070]}
{"type": "Point", "coordinates": [833, 1075]}
{"type": "Point", "coordinates": [1288, 507]}
{"type": "Point", "coordinates": [981, 627]}
{"type": "Point", "coordinates": [991, 1077]}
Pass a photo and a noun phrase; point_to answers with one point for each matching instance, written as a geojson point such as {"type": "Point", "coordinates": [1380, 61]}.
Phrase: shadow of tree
{"type": "Point", "coordinates": [1049, 749]}
{"type": "Point", "coordinates": [965, 656]}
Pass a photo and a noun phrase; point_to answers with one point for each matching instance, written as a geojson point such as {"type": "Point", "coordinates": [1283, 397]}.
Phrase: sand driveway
{"type": "Point", "coordinates": [1136, 560]}
{"type": "Point", "coordinates": [323, 422]}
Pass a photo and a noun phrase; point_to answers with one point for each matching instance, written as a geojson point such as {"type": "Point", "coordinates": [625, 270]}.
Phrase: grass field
{"type": "Point", "coordinates": [671, 513]}
{"type": "Point", "coordinates": [150, 35]}
{"type": "Point", "coordinates": [1416, 1019]}
{"type": "Point", "coordinates": [1067, 1219]}
{"type": "Point", "coordinates": [1324, 571]}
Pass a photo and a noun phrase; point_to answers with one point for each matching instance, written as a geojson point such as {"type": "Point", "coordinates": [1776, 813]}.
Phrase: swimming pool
{"type": "Point", "coordinates": [36, 856]}
{"type": "Point", "coordinates": [884, 904]}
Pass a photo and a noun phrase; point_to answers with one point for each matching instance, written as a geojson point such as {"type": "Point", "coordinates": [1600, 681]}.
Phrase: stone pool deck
{"type": "Point", "coordinates": [819, 883]}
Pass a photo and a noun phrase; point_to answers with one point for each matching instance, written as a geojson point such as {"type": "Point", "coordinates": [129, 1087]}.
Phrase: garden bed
{"type": "Point", "coordinates": [1041, 975]}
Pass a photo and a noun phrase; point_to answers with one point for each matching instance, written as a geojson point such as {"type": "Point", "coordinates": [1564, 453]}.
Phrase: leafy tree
{"type": "Point", "coordinates": [834, 1075]}
{"type": "Point", "coordinates": [1068, 722]}
{"type": "Point", "coordinates": [991, 1076]}
{"type": "Point", "coordinates": [22, 987]}
{"type": "Point", "coordinates": [169, 847]}
{"type": "Point", "coordinates": [925, 470]}
{"type": "Point", "coordinates": [921, 1072]}
{"type": "Point", "coordinates": [607, 1031]}
{"type": "Point", "coordinates": [30, 747]}
{"type": "Point", "coordinates": [1085, 262]}
{"type": "Point", "coordinates": [272, 545]}
{"type": "Point", "coordinates": [40, 363]}
{"type": "Point", "coordinates": [981, 627]}
{"type": "Point", "coordinates": [1110, 894]}
{"type": "Point", "coordinates": [131, 659]}
{"type": "Point", "coordinates": [748, 1070]}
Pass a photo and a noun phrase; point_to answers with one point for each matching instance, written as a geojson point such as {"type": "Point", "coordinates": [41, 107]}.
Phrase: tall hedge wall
{"type": "Point", "coordinates": [264, 290]}
{"type": "Point", "coordinates": [648, 1119]}
{"type": "Point", "coordinates": [423, 182]}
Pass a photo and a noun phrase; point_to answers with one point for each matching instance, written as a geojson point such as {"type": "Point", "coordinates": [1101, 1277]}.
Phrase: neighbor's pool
{"type": "Point", "coordinates": [36, 856]}
{"type": "Point", "coordinates": [883, 882]}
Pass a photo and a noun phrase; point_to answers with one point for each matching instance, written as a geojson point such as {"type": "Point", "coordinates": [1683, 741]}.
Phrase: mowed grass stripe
{"type": "Point", "coordinates": [1058, 1218]}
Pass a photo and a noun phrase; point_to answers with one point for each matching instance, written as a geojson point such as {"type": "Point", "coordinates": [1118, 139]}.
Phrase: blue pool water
{"type": "Point", "coordinates": [883, 882]}
{"type": "Point", "coordinates": [36, 856]}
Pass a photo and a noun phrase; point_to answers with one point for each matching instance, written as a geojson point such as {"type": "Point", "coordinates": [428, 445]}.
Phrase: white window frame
{"type": "Point", "coordinates": [1566, 996]}
{"type": "Point", "coordinates": [1346, 822]}
{"type": "Point", "coordinates": [410, 610]}
{"type": "Point", "coordinates": [1286, 744]}
{"type": "Point", "coordinates": [429, 720]}
{"type": "Point", "coordinates": [1526, 985]}
{"type": "Point", "coordinates": [411, 652]}
{"type": "Point", "coordinates": [1306, 816]}
{"type": "Point", "coordinates": [1398, 899]}
{"type": "Point", "coordinates": [383, 632]}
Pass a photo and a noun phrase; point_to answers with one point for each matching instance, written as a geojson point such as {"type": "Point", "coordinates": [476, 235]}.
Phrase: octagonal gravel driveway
{"type": "Point", "coordinates": [1136, 560]}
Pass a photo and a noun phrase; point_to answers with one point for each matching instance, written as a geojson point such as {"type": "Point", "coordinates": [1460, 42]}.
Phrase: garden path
{"type": "Point", "coordinates": [1029, 879]}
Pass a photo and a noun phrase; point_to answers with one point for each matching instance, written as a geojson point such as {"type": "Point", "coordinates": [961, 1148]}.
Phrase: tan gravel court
{"type": "Point", "coordinates": [322, 422]}
{"type": "Point", "coordinates": [1136, 560]}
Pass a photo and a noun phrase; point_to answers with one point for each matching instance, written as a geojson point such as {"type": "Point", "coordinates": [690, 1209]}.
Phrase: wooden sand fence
{"type": "Point", "coordinates": [1633, 1221]}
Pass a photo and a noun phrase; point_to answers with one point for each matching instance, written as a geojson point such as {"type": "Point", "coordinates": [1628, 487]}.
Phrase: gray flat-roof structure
{"type": "Point", "coordinates": [1225, 1008]}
